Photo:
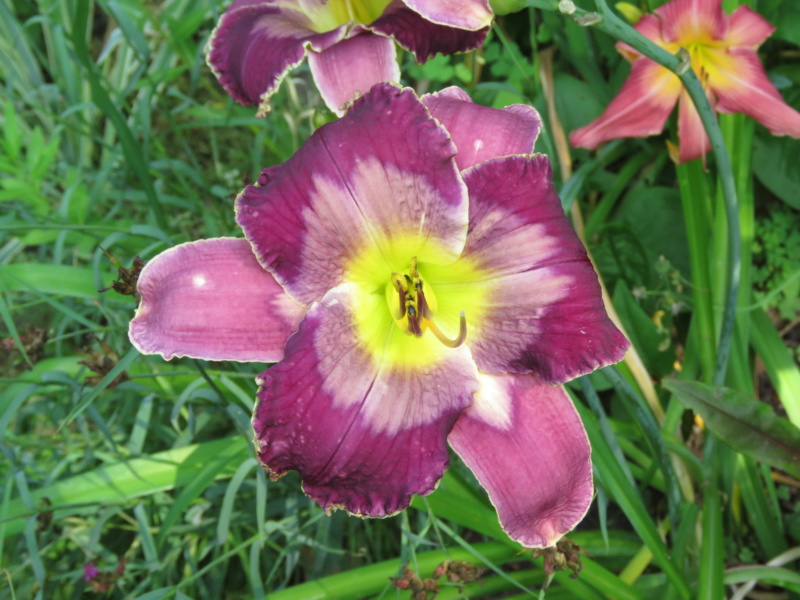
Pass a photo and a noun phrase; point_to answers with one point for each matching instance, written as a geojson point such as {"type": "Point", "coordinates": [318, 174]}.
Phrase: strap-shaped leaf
{"type": "Point", "coordinates": [747, 425]}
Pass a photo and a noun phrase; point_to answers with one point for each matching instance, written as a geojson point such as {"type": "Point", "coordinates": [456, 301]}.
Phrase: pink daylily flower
{"type": "Point", "coordinates": [723, 54]}
{"type": "Point", "coordinates": [349, 43]}
{"type": "Point", "coordinates": [413, 274]}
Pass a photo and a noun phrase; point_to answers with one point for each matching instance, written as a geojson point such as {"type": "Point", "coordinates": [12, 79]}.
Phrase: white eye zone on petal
{"type": "Point", "coordinates": [198, 281]}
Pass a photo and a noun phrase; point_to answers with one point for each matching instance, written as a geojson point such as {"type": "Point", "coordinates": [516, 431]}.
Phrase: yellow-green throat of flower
{"type": "Point", "coordinates": [412, 305]}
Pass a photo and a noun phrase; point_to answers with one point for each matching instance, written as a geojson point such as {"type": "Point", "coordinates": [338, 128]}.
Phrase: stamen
{"type": "Point", "coordinates": [462, 332]}
{"type": "Point", "coordinates": [424, 309]}
{"type": "Point", "coordinates": [397, 282]}
{"type": "Point", "coordinates": [414, 326]}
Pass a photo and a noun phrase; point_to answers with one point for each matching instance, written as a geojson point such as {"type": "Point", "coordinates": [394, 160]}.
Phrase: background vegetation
{"type": "Point", "coordinates": [116, 137]}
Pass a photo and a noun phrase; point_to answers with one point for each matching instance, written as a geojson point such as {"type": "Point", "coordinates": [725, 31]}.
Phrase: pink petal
{"type": "Point", "coordinates": [422, 36]}
{"type": "Point", "coordinates": [543, 311]}
{"type": "Point", "coordinates": [742, 86]}
{"type": "Point", "coordinates": [384, 169]}
{"type": "Point", "coordinates": [363, 433]}
{"type": "Point", "coordinates": [352, 67]}
{"type": "Point", "coordinates": [462, 14]}
{"type": "Point", "coordinates": [686, 21]}
{"type": "Point", "coordinates": [526, 445]}
{"type": "Point", "coordinates": [747, 28]}
{"type": "Point", "coordinates": [640, 109]}
{"type": "Point", "coordinates": [692, 136]}
{"type": "Point", "coordinates": [650, 27]}
{"type": "Point", "coordinates": [211, 299]}
{"type": "Point", "coordinates": [257, 43]}
{"type": "Point", "coordinates": [480, 132]}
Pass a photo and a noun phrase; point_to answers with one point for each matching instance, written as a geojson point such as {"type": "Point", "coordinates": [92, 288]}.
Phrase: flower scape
{"type": "Point", "coordinates": [723, 53]}
{"type": "Point", "coordinates": [411, 272]}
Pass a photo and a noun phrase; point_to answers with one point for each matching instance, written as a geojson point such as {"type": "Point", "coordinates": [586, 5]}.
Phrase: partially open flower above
{"type": "Point", "coordinates": [412, 272]}
{"type": "Point", "coordinates": [350, 44]}
{"type": "Point", "coordinates": [723, 54]}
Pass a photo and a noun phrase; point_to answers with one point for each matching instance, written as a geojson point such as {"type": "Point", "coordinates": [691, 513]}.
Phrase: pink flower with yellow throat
{"type": "Point", "coordinates": [722, 48]}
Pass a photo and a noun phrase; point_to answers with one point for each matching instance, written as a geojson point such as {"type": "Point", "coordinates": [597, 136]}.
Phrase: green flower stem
{"type": "Point", "coordinates": [607, 21]}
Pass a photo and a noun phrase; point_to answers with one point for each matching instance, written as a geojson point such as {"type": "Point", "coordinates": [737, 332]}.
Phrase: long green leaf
{"type": "Point", "coordinates": [747, 425]}
{"type": "Point", "coordinates": [781, 368]}
{"type": "Point", "coordinates": [120, 482]}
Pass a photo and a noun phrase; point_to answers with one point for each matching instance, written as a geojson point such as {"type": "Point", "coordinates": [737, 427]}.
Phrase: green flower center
{"type": "Point", "coordinates": [356, 11]}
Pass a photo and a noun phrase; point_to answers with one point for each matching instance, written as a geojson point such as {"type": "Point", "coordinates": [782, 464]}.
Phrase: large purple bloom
{"type": "Point", "coordinates": [413, 274]}
{"type": "Point", "coordinates": [349, 43]}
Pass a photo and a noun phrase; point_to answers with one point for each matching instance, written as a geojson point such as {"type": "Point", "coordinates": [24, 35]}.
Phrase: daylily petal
{"type": "Point", "coordinates": [462, 14]}
{"type": "Point", "coordinates": [640, 109]}
{"type": "Point", "coordinates": [685, 21]}
{"type": "Point", "coordinates": [382, 173]}
{"type": "Point", "coordinates": [526, 445]}
{"type": "Point", "coordinates": [352, 67]}
{"type": "Point", "coordinates": [542, 311]}
{"type": "Point", "coordinates": [692, 136]}
{"type": "Point", "coordinates": [747, 28]}
{"type": "Point", "coordinates": [480, 132]}
{"type": "Point", "coordinates": [742, 86]}
{"type": "Point", "coordinates": [211, 299]}
{"type": "Point", "coordinates": [364, 432]}
{"type": "Point", "coordinates": [650, 27]}
{"type": "Point", "coordinates": [423, 37]}
{"type": "Point", "coordinates": [257, 43]}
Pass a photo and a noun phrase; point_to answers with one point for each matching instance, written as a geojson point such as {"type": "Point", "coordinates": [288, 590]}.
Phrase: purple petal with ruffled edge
{"type": "Point", "coordinates": [463, 14]}
{"type": "Point", "coordinates": [544, 313]}
{"type": "Point", "coordinates": [352, 67]}
{"type": "Point", "coordinates": [421, 36]}
{"type": "Point", "coordinates": [526, 445]}
{"type": "Point", "coordinates": [384, 169]}
{"type": "Point", "coordinates": [480, 132]}
{"type": "Point", "coordinates": [211, 299]}
{"type": "Point", "coordinates": [364, 434]}
{"type": "Point", "coordinates": [257, 43]}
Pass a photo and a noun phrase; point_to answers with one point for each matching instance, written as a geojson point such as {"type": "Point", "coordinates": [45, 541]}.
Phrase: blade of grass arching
{"type": "Point", "coordinates": [134, 155]}
{"type": "Point", "coordinates": [630, 501]}
{"type": "Point", "coordinates": [781, 367]}
{"type": "Point", "coordinates": [123, 364]}
{"type": "Point", "coordinates": [767, 526]}
{"type": "Point", "coordinates": [146, 537]}
{"type": "Point", "coordinates": [785, 578]}
{"type": "Point", "coordinates": [122, 481]}
{"type": "Point", "coordinates": [605, 426]}
{"type": "Point", "coordinates": [226, 510]}
{"type": "Point", "coordinates": [652, 432]}
{"type": "Point", "coordinates": [479, 556]}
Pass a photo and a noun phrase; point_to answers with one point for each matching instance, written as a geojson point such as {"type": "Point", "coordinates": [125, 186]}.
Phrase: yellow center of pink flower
{"type": "Point", "coordinates": [413, 305]}
{"type": "Point", "coordinates": [338, 12]}
{"type": "Point", "coordinates": [414, 300]}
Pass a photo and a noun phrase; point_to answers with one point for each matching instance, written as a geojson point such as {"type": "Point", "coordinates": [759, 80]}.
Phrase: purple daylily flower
{"type": "Point", "coordinates": [414, 276]}
{"type": "Point", "coordinates": [349, 43]}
